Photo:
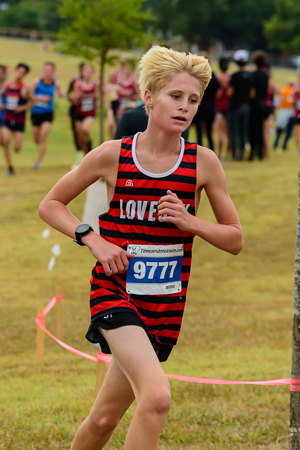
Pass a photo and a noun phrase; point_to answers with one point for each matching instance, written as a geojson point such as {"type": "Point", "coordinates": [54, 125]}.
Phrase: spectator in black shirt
{"type": "Point", "coordinates": [207, 111]}
{"type": "Point", "coordinates": [133, 121]}
{"type": "Point", "coordinates": [239, 108]}
{"type": "Point", "coordinates": [258, 108]}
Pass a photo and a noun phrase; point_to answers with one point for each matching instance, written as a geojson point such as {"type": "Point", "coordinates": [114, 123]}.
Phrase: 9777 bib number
{"type": "Point", "coordinates": [155, 269]}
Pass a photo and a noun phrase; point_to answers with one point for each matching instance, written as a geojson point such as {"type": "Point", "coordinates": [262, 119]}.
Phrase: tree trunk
{"type": "Point", "coordinates": [295, 388]}
{"type": "Point", "coordinates": [101, 84]}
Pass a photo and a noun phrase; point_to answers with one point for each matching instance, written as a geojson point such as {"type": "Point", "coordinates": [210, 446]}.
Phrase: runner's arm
{"type": "Point", "coordinates": [53, 209]}
{"type": "Point", "coordinates": [25, 94]}
{"type": "Point", "coordinates": [59, 90]}
{"type": "Point", "coordinates": [3, 96]}
{"type": "Point", "coordinates": [70, 90]}
{"type": "Point", "coordinates": [226, 234]}
{"type": "Point", "coordinates": [32, 89]}
{"type": "Point", "coordinates": [101, 162]}
{"type": "Point", "coordinates": [136, 94]}
{"type": "Point", "coordinates": [77, 92]}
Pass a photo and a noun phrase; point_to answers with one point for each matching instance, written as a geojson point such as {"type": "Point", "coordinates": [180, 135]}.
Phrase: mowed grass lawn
{"type": "Point", "coordinates": [237, 324]}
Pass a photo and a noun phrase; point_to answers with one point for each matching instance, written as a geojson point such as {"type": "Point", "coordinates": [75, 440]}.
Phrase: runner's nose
{"type": "Point", "coordinates": [183, 106]}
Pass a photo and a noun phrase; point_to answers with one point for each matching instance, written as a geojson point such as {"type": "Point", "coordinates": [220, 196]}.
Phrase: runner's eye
{"type": "Point", "coordinates": [176, 96]}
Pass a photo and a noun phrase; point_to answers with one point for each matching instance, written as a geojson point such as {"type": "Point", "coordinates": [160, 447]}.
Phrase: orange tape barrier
{"type": "Point", "coordinates": [101, 357]}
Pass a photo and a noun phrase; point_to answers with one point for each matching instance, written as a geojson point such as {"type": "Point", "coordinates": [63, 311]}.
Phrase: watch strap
{"type": "Point", "coordinates": [79, 234]}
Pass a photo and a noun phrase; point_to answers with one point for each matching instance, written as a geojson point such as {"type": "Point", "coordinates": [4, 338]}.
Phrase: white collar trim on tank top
{"type": "Point", "coordinates": [156, 175]}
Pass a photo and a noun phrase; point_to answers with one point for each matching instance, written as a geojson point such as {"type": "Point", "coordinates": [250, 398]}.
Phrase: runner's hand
{"type": "Point", "coordinates": [171, 209]}
{"type": "Point", "coordinates": [43, 98]}
{"type": "Point", "coordinates": [113, 258]}
{"type": "Point", "coordinates": [18, 109]}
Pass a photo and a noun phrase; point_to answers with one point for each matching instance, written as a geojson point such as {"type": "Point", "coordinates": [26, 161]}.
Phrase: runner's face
{"type": "Point", "coordinates": [48, 72]}
{"type": "Point", "coordinates": [175, 105]}
{"type": "Point", "coordinates": [126, 71]}
{"type": "Point", "coordinates": [20, 73]}
{"type": "Point", "coordinates": [87, 72]}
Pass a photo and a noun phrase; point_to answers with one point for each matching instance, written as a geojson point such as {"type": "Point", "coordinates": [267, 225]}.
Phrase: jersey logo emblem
{"type": "Point", "coordinates": [134, 249]}
{"type": "Point", "coordinates": [129, 183]}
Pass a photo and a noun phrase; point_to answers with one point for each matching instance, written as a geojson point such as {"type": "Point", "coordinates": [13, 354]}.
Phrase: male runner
{"type": "Point", "coordinates": [85, 98]}
{"type": "Point", "coordinates": [42, 113]}
{"type": "Point", "coordinates": [3, 74]}
{"type": "Point", "coordinates": [72, 114]}
{"type": "Point", "coordinates": [139, 283]}
{"type": "Point", "coordinates": [15, 101]}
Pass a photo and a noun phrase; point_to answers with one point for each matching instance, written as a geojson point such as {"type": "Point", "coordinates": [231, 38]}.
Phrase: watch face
{"type": "Point", "coordinates": [83, 228]}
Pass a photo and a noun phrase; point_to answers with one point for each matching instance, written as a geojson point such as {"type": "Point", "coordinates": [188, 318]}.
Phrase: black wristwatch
{"type": "Point", "coordinates": [81, 231]}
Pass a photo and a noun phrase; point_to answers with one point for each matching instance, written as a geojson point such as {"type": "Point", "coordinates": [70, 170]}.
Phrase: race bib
{"type": "Point", "coordinates": [154, 270]}
{"type": "Point", "coordinates": [12, 102]}
{"type": "Point", "coordinates": [87, 104]}
{"type": "Point", "coordinates": [42, 103]}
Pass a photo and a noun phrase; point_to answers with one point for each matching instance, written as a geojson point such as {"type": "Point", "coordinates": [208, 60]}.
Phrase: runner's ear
{"type": "Point", "coordinates": [148, 98]}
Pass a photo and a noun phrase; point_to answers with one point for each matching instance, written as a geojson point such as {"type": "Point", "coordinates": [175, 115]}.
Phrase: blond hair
{"type": "Point", "coordinates": [160, 65]}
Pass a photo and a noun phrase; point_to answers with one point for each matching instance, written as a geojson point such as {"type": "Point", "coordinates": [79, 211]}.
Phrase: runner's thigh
{"type": "Point", "coordinates": [136, 357]}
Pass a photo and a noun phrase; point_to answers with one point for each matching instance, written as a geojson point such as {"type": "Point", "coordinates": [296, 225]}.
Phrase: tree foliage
{"type": "Point", "coordinates": [254, 24]}
{"type": "Point", "coordinates": [282, 30]}
{"type": "Point", "coordinates": [31, 14]}
{"type": "Point", "coordinates": [231, 21]}
{"type": "Point", "coordinates": [243, 22]}
{"type": "Point", "coordinates": [93, 27]}
{"type": "Point", "coordinates": [197, 21]}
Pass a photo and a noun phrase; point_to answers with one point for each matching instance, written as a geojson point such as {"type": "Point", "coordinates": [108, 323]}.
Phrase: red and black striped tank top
{"type": "Point", "coordinates": [87, 103]}
{"type": "Point", "coordinates": [132, 219]}
{"type": "Point", "coordinates": [13, 99]}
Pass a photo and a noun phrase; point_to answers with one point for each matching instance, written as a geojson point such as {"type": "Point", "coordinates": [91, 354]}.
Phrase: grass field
{"type": "Point", "coordinates": [237, 323]}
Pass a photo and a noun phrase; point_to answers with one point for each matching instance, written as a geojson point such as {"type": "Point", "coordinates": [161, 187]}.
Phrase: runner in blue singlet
{"type": "Point", "coordinates": [43, 91]}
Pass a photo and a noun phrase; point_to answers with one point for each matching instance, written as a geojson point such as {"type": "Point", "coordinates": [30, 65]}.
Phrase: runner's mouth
{"type": "Point", "coordinates": [183, 119]}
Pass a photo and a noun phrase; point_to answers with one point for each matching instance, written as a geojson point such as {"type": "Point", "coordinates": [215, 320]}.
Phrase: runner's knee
{"type": "Point", "coordinates": [85, 133]}
{"type": "Point", "coordinates": [43, 139]}
{"type": "Point", "coordinates": [105, 424]}
{"type": "Point", "coordinates": [156, 401]}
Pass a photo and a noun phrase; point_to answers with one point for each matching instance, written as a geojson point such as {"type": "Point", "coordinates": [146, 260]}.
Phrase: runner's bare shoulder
{"type": "Point", "coordinates": [103, 159]}
{"type": "Point", "coordinates": [208, 166]}
{"type": "Point", "coordinates": [207, 157]}
{"type": "Point", "coordinates": [108, 151]}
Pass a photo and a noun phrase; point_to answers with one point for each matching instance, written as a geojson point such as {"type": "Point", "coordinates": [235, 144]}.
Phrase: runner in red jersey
{"type": "Point", "coordinates": [127, 89]}
{"type": "Point", "coordinates": [3, 75]}
{"type": "Point", "coordinates": [138, 287]}
{"type": "Point", "coordinates": [133, 219]}
{"type": "Point", "coordinates": [270, 111]}
{"type": "Point", "coordinates": [123, 91]}
{"type": "Point", "coordinates": [85, 95]}
{"type": "Point", "coordinates": [222, 106]}
{"type": "Point", "coordinates": [72, 114]}
{"type": "Point", "coordinates": [15, 101]}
